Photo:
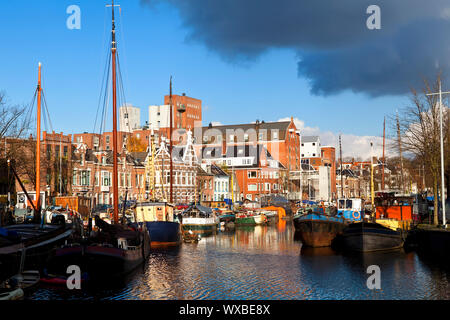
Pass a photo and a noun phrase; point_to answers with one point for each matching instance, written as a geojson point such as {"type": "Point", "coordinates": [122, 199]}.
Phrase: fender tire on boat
{"type": "Point", "coordinates": [356, 215]}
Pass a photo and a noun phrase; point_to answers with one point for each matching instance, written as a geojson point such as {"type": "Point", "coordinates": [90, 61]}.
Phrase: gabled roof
{"type": "Point", "coordinates": [217, 171]}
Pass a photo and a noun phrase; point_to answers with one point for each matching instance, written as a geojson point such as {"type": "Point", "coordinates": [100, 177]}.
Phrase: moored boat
{"type": "Point", "coordinates": [35, 241]}
{"type": "Point", "coordinates": [199, 219]}
{"type": "Point", "coordinates": [118, 248]}
{"type": "Point", "coordinates": [227, 216]}
{"type": "Point", "coordinates": [11, 294]}
{"type": "Point", "coordinates": [250, 218]}
{"type": "Point", "coordinates": [160, 223]}
{"type": "Point", "coordinates": [371, 236]}
{"type": "Point", "coordinates": [318, 230]}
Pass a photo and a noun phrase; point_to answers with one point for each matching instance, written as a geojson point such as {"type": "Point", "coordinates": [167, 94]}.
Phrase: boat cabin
{"type": "Point", "coordinates": [154, 211]}
{"type": "Point", "coordinates": [23, 202]}
{"type": "Point", "coordinates": [221, 205]}
{"type": "Point", "coordinates": [391, 206]}
{"type": "Point", "coordinates": [351, 208]}
{"type": "Point", "coordinates": [76, 203]}
{"type": "Point", "coordinates": [197, 211]}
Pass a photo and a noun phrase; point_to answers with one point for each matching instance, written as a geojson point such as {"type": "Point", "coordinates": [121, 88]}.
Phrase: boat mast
{"type": "Point", "coordinates": [382, 164]}
{"type": "Point", "coordinates": [37, 214]}
{"type": "Point", "coordinates": [372, 191]}
{"type": "Point", "coordinates": [400, 153]}
{"type": "Point", "coordinates": [342, 177]}
{"type": "Point", "coordinates": [114, 99]}
{"type": "Point", "coordinates": [170, 142]}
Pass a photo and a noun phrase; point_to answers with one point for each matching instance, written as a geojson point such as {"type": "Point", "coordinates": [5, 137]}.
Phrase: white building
{"type": "Point", "coordinates": [310, 146]}
{"type": "Point", "coordinates": [325, 183]}
{"type": "Point", "coordinates": [129, 118]}
{"type": "Point", "coordinates": [159, 116]}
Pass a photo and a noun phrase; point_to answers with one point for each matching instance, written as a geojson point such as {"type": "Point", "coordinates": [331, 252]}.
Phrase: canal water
{"type": "Point", "coordinates": [268, 262]}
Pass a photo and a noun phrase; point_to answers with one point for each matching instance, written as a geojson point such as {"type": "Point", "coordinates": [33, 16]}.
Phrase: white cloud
{"type": "Point", "coordinates": [352, 145]}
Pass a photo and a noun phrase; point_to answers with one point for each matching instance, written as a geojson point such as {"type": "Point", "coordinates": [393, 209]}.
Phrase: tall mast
{"type": "Point", "coordinates": [400, 153]}
{"type": "Point", "coordinates": [170, 142]}
{"type": "Point", "coordinates": [372, 191]}
{"type": "Point", "coordinates": [382, 164]}
{"type": "Point", "coordinates": [114, 99]}
{"type": "Point", "coordinates": [37, 215]}
{"type": "Point", "coordinates": [342, 177]}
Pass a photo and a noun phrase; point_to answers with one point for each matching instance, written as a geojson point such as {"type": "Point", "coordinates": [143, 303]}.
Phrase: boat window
{"type": "Point", "coordinates": [341, 204]}
{"type": "Point", "coordinates": [348, 204]}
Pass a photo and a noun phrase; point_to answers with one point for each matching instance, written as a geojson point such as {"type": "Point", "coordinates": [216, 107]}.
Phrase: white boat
{"type": "Point", "coordinates": [26, 279]}
{"type": "Point", "coordinates": [11, 294]}
{"type": "Point", "coordinates": [199, 219]}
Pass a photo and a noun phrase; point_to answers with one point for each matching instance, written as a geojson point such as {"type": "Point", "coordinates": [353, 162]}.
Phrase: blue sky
{"type": "Point", "coordinates": [153, 45]}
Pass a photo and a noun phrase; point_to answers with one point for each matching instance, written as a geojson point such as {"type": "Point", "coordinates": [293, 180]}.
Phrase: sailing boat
{"type": "Point", "coordinates": [35, 239]}
{"type": "Point", "coordinates": [116, 249]}
{"type": "Point", "coordinates": [373, 234]}
{"type": "Point", "coordinates": [158, 216]}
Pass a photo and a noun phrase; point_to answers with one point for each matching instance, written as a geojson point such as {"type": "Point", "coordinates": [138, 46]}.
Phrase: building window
{"type": "Point", "coordinates": [74, 181]}
{"type": "Point", "coordinates": [106, 180]}
{"type": "Point", "coordinates": [125, 115]}
{"type": "Point", "coordinates": [251, 174]}
{"type": "Point", "coordinates": [107, 139]}
{"type": "Point", "coordinates": [49, 151]}
{"type": "Point", "coordinates": [246, 137]}
{"type": "Point", "coordinates": [275, 135]}
{"type": "Point", "coordinates": [261, 136]}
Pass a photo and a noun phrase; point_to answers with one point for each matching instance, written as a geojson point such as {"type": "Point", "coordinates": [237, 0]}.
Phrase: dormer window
{"type": "Point", "coordinates": [275, 135]}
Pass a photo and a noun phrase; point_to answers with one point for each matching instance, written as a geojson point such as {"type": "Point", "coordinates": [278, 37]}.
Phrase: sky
{"type": "Point", "coordinates": [315, 61]}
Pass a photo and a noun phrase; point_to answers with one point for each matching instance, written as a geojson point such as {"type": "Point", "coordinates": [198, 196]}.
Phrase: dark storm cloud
{"type": "Point", "coordinates": [336, 50]}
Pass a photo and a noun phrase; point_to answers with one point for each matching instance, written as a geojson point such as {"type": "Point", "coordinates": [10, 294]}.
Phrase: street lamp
{"type": "Point", "coordinates": [440, 93]}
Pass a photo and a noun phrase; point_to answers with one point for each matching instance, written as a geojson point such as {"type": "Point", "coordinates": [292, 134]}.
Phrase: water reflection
{"type": "Point", "coordinates": [269, 262]}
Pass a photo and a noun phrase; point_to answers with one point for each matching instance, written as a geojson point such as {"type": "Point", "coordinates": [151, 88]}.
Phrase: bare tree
{"type": "Point", "coordinates": [419, 128]}
{"type": "Point", "coordinates": [13, 121]}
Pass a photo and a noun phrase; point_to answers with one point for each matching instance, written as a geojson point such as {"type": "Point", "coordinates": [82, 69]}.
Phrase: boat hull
{"type": "Point", "coordinates": [227, 218]}
{"type": "Point", "coordinates": [433, 242]}
{"type": "Point", "coordinates": [200, 225]}
{"type": "Point", "coordinates": [100, 262]}
{"type": "Point", "coordinates": [39, 245]}
{"type": "Point", "coordinates": [164, 233]}
{"type": "Point", "coordinates": [368, 237]}
{"type": "Point", "coordinates": [251, 220]}
{"type": "Point", "coordinates": [318, 230]}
